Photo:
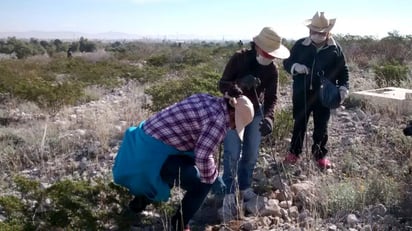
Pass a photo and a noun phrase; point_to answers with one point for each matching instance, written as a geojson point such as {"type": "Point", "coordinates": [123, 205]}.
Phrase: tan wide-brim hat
{"type": "Point", "coordinates": [244, 113]}
{"type": "Point", "coordinates": [320, 23]}
{"type": "Point", "coordinates": [269, 41]}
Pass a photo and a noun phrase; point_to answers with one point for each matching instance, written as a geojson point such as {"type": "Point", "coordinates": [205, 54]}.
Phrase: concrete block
{"type": "Point", "coordinates": [392, 98]}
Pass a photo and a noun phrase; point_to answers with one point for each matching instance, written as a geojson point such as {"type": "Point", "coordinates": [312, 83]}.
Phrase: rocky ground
{"type": "Point", "coordinates": [286, 204]}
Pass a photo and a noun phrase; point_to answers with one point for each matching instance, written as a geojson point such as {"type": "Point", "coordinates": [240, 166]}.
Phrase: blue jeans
{"type": "Point", "coordinates": [241, 158]}
{"type": "Point", "coordinates": [180, 170]}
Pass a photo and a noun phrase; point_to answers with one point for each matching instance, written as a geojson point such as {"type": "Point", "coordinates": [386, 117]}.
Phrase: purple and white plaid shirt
{"type": "Point", "coordinates": [198, 123]}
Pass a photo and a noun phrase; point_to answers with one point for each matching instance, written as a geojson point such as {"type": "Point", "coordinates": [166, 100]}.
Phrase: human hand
{"type": "Point", "coordinates": [344, 92]}
{"type": "Point", "coordinates": [249, 82]}
{"type": "Point", "coordinates": [300, 69]}
{"type": "Point", "coordinates": [265, 126]}
{"type": "Point", "coordinates": [219, 186]}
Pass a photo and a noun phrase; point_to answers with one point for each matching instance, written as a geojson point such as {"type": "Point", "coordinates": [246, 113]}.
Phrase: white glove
{"type": "Point", "coordinates": [344, 92]}
{"type": "Point", "coordinates": [299, 69]}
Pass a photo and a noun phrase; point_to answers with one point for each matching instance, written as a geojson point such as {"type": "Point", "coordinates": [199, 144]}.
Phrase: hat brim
{"type": "Point", "coordinates": [244, 113]}
{"type": "Point", "coordinates": [332, 22]}
{"type": "Point", "coordinates": [282, 52]}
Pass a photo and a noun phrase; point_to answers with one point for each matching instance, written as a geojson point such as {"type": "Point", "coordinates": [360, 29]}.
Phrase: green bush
{"type": "Point", "coordinates": [158, 60]}
{"type": "Point", "coordinates": [147, 74]}
{"type": "Point", "coordinates": [390, 75]}
{"type": "Point", "coordinates": [284, 78]}
{"type": "Point", "coordinates": [354, 195]}
{"type": "Point", "coordinates": [60, 81]}
{"type": "Point", "coordinates": [283, 123]}
{"type": "Point", "coordinates": [68, 205]}
{"type": "Point", "coordinates": [172, 91]}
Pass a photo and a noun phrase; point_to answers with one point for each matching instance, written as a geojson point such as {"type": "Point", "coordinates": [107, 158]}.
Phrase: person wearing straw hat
{"type": "Point", "coordinates": [176, 146]}
{"type": "Point", "coordinates": [312, 58]}
{"type": "Point", "coordinates": [256, 73]}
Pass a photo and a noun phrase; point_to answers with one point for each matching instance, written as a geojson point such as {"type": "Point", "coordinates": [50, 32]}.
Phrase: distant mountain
{"type": "Point", "coordinates": [69, 35]}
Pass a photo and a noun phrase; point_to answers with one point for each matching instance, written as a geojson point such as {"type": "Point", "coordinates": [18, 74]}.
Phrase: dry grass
{"type": "Point", "coordinates": [41, 143]}
{"type": "Point", "coordinates": [369, 171]}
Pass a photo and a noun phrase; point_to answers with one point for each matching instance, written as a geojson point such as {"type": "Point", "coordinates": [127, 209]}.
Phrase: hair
{"type": "Point", "coordinates": [252, 45]}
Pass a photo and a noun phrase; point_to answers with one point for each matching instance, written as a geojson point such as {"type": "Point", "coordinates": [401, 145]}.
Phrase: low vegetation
{"type": "Point", "coordinates": [39, 73]}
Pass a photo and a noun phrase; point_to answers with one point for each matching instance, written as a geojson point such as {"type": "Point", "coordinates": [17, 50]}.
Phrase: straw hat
{"type": "Point", "coordinates": [244, 113]}
{"type": "Point", "coordinates": [269, 41]}
{"type": "Point", "coordinates": [320, 23]}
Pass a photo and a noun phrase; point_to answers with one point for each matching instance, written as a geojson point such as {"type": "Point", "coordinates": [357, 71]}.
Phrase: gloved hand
{"type": "Point", "coordinates": [408, 130]}
{"type": "Point", "coordinates": [266, 126]}
{"type": "Point", "coordinates": [344, 92]}
{"type": "Point", "coordinates": [299, 69]}
{"type": "Point", "coordinates": [218, 187]}
{"type": "Point", "coordinates": [249, 82]}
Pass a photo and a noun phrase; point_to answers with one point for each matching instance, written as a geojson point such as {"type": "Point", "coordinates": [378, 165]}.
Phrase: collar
{"type": "Point", "coordinates": [331, 41]}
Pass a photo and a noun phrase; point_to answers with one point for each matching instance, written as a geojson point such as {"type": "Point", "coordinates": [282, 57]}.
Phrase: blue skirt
{"type": "Point", "coordinates": [139, 161]}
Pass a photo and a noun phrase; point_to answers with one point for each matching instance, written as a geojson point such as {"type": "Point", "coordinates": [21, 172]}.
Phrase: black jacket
{"type": "Point", "coordinates": [328, 61]}
{"type": "Point", "coordinates": [244, 63]}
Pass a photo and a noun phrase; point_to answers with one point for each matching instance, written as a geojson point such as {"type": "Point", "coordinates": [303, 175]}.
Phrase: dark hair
{"type": "Point", "coordinates": [252, 45]}
{"type": "Point", "coordinates": [233, 91]}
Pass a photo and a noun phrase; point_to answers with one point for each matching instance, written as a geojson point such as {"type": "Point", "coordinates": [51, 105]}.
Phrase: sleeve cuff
{"type": "Point", "coordinates": [292, 69]}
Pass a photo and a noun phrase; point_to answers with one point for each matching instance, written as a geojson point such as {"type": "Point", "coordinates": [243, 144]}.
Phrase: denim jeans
{"type": "Point", "coordinates": [180, 170]}
{"type": "Point", "coordinates": [241, 158]}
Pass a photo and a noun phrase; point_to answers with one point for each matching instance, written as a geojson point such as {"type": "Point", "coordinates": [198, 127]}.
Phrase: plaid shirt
{"type": "Point", "coordinates": [198, 123]}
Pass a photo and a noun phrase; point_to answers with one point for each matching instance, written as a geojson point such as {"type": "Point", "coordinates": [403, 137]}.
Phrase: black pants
{"type": "Point", "coordinates": [303, 106]}
{"type": "Point", "coordinates": [180, 170]}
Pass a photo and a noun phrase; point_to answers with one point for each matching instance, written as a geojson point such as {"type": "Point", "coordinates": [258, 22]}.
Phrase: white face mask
{"type": "Point", "coordinates": [263, 61]}
{"type": "Point", "coordinates": [317, 38]}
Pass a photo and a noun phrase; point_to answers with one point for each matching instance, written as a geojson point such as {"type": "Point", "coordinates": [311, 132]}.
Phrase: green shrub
{"type": "Point", "coordinates": [194, 57]}
{"type": "Point", "coordinates": [382, 189]}
{"type": "Point", "coordinates": [284, 78]}
{"type": "Point", "coordinates": [158, 60]}
{"type": "Point", "coordinates": [68, 205]}
{"type": "Point", "coordinates": [392, 75]}
{"type": "Point", "coordinates": [355, 194]}
{"type": "Point", "coordinates": [147, 74]}
{"type": "Point", "coordinates": [283, 123]}
{"type": "Point", "coordinates": [172, 91]}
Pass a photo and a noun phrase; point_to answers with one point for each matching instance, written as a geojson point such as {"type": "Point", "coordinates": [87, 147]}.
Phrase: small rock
{"type": "Point", "coordinates": [352, 220]}
{"type": "Point", "coordinates": [332, 228]}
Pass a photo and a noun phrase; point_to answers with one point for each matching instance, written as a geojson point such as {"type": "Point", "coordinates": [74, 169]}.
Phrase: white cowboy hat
{"type": "Point", "coordinates": [270, 42]}
{"type": "Point", "coordinates": [320, 23]}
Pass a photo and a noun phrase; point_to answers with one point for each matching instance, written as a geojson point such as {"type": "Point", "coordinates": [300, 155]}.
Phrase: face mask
{"type": "Point", "coordinates": [317, 38]}
{"type": "Point", "coordinates": [263, 61]}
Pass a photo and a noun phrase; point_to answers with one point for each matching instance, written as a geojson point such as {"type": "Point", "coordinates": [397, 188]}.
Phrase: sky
{"type": "Point", "coordinates": [204, 19]}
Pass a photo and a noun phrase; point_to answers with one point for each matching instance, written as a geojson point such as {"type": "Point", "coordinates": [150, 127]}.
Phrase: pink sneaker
{"type": "Point", "coordinates": [324, 163]}
{"type": "Point", "coordinates": [291, 159]}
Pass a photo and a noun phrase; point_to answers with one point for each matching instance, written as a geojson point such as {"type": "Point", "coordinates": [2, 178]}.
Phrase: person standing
{"type": "Point", "coordinates": [312, 58]}
{"type": "Point", "coordinates": [255, 72]}
{"type": "Point", "coordinates": [176, 146]}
